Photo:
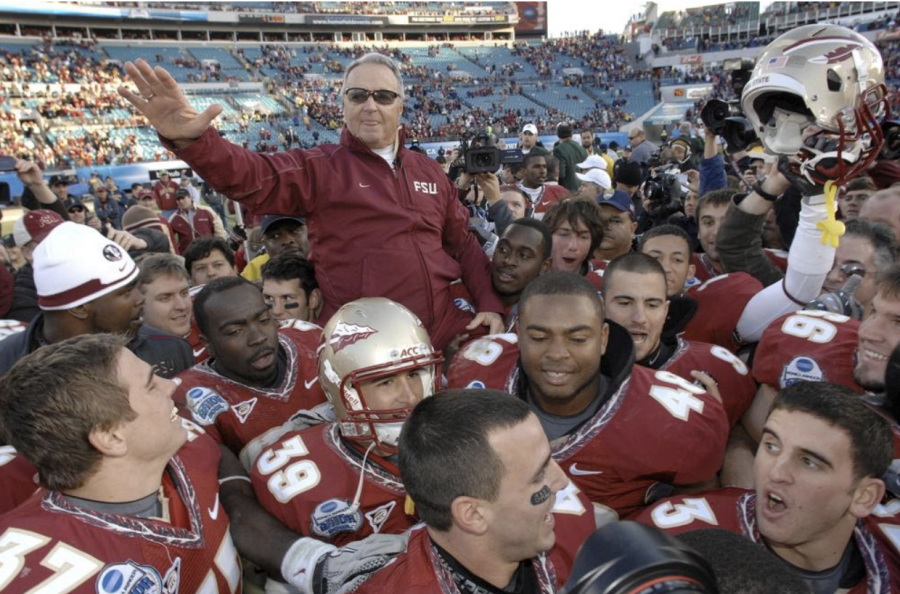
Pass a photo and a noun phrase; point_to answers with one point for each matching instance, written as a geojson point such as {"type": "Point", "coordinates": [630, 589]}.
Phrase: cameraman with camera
{"type": "Point", "coordinates": [473, 168]}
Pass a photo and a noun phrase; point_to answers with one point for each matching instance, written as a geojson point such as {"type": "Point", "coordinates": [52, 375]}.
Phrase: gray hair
{"type": "Point", "coordinates": [381, 60]}
{"type": "Point", "coordinates": [880, 236]}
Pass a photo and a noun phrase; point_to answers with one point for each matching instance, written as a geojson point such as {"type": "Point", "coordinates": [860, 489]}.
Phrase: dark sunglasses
{"type": "Point", "coordinates": [360, 96]}
{"type": "Point", "coordinates": [76, 209]}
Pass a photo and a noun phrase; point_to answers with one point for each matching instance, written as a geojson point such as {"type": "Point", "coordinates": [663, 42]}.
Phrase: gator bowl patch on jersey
{"type": "Point", "coordinates": [129, 578]}
{"type": "Point", "coordinates": [334, 516]}
{"type": "Point", "coordinates": [801, 369]}
{"type": "Point", "coordinates": [205, 405]}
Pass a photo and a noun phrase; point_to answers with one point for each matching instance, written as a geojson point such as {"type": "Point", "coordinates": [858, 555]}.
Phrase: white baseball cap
{"type": "Point", "coordinates": [530, 128]}
{"type": "Point", "coordinates": [596, 176]}
{"type": "Point", "coordinates": [593, 162]}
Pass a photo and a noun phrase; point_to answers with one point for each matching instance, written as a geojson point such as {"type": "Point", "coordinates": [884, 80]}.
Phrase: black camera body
{"type": "Point", "coordinates": [725, 118]}
{"type": "Point", "coordinates": [481, 155]}
{"type": "Point", "coordinates": [663, 191]}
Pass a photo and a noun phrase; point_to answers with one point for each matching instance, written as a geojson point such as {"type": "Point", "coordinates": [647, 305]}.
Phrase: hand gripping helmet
{"type": "Point", "coordinates": [831, 78]}
{"type": "Point", "coordinates": [366, 340]}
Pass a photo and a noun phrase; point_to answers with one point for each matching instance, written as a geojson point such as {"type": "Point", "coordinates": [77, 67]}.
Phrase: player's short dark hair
{"type": "Point", "coordinates": [632, 262]}
{"type": "Point", "coordinates": [445, 452]}
{"type": "Point", "coordinates": [560, 283]}
{"type": "Point", "coordinates": [574, 211]}
{"type": "Point", "coordinates": [202, 247]}
{"type": "Point", "coordinates": [156, 265]}
{"type": "Point", "coordinates": [531, 156]}
{"type": "Point", "coordinates": [288, 266]}
{"type": "Point", "coordinates": [714, 198]}
{"type": "Point", "coordinates": [53, 398]}
{"type": "Point", "coordinates": [880, 236]}
{"type": "Point", "coordinates": [742, 566]}
{"type": "Point", "coordinates": [213, 287]}
{"type": "Point", "coordinates": [664, 230]}
{"type": "Point", "coordinates": [540, 227]}
{"type": "Point", "coordinates": [871, 442]}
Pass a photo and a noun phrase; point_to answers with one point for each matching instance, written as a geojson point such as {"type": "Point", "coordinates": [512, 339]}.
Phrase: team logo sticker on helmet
{"type": "Point", "coordinates": [129, 578]}
{"type": "Point", "coordinates": [344, 335]}
{"type": "Point", "coordinates": [838, 54]}
{"type": "Point", "coordinates": [205, 405]}
{"type": "Point", "coordinates": [334, 516]}
{"type": "Point", "coordinates": [801, 369]}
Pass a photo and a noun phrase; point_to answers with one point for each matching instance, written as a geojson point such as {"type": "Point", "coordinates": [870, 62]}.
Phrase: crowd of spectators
{"type": "Point", "coordinates": [374, 8]}
{"type": "Point", "coordinates": [91, 125]}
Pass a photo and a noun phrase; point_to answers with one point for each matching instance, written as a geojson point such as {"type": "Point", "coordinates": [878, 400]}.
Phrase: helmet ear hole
{"type": "Point", "coordinates": [835, 84]}
{"type": "Point", "coordinates": [765, 105]}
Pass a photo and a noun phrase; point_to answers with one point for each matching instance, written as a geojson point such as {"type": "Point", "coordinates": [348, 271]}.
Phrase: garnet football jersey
{"type": "Point", "coordinates": [815, 346]}
{"type": "Point", "coordinates": [421, 570]}
{"type": "Point", "coordinates": [703, 268]}
{"type": "Point", "coordinates": [309, 481]}
{"type": "Point", "coordinates": [18, 479]}
{"type": "Point", "coordinates": [655, 427]}
{"type": "Point", "coordinates": [47, 544]}
{"type": "Point", "coordinates": [720, 303]}
{"type": "Point", "coordinates": [877, 536]}
{"type": "Point", "coordinates": [234, 413]}
{"type": "Point", "coordinates": [736, 385]}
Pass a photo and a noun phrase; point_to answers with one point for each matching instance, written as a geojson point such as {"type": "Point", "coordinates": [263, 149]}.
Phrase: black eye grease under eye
{"type": "Point", "coordinates": [541, 496]}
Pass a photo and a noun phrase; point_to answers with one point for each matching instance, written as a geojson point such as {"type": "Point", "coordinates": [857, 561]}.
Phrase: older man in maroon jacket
{"type": "Point", "coordinates": [383, 221]}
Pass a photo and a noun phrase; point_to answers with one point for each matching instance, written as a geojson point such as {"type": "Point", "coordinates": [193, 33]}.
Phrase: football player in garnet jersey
{"type": "Point", "coordinates": [135, 498]}
{"type": "Point", "coordinates": [290, 289]}
{"type": "Point", "coordinates": [257, 376]}
{"type": "Point", "coordinates": [622, 432]}
{"type": "Point", "coordinates": [130, 489]}
{"type": "Point", "coordinates": [635, 298]}
{"type": "Point", "coordinates": [480, 473]}
{"type": "Point", "coordinates": [376, 363]}
{"type": "Point", "coordinates": [817, 500]}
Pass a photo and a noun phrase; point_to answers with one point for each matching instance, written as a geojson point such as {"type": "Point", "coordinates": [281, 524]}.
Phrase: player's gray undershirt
{"type": "Point", "coordinates": [145, 507]}
{"type": "Point", "coordinates": [846, 574]}
{"type": "Point", "coordinates": [556, 426]}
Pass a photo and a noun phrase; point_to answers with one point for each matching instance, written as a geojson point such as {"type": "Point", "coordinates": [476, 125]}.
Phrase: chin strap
{"type": "Point", "coordinates": [362, 479]}
{"type": "Point", "coordinates": [832, 229]}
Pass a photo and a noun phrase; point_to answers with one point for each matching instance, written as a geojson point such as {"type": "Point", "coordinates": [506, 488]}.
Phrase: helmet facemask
{"type": "Point", "coordinates": [361, 423]}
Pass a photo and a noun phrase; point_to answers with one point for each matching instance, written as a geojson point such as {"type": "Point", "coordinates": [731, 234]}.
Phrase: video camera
{"type": "Point", "coordinates": [479, 154]}
{"type": "Point", "coordinates": [725, 118]}
{"type": "Point", "coordinates": [663, 188]}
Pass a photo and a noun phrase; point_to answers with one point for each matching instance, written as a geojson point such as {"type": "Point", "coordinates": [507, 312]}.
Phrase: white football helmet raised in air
{"type": "Point", "coordinates": [816, 95]}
